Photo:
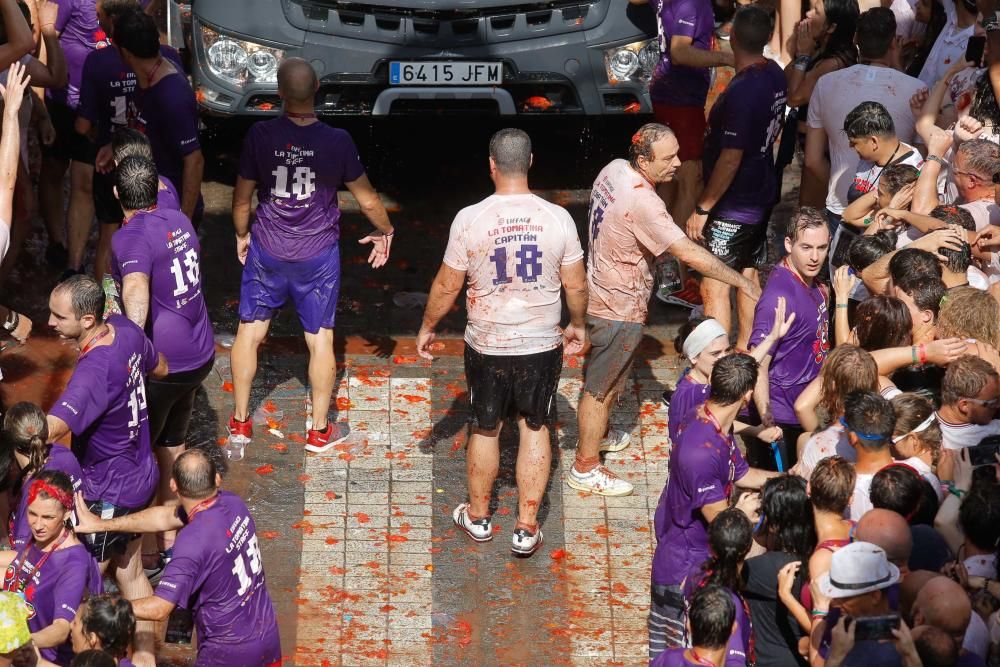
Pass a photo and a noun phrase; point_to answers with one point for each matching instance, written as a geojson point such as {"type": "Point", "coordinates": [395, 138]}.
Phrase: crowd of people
{"type": "Point", "coordinates": [857, 519]}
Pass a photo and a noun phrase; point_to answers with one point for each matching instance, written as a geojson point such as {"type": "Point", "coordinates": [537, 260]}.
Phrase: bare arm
{"type": "Point", "coordinates": [684, 52]}
{"type": "Point", "coordinates": [708, 265]}
{"type": "Point", "coordinates": [135, 297]}
{"type": "Point", "coordinates": [10, 144]}
{"type": "Point", "coordinates": [755, 478]}
{"type": "Point", "coordinates": [925, 197]}
{"type": "Point", "coordinates": [58, 429]}
{"type": "Point", "coordinates": [53, 635]}
{"type": "Point", "coordinates": [713, 510]}
{"type": "Point", "coordinates": [445, 289]}
{"type": "Point", "coordinates": [805, 404]}
{"type": "Point", "coordinates": [151, 520]}
{"type": "Point", "coordinates": [370, 203]}
{"type": "Point", "coordinates": [52, 73]}
{"type": "Point", "coordinates": [720, 180]}
{"type": "Point", "coordinates": [861, 208]}
{"type": "Point", "coordinates": [242, 201]}
{"type": "Point", "coordinates": [194, 170]}
{"type": "Point", "coordinates": [152, 608]}
{"type": "Point", "coordinates": [816, 175]}
{"type": "Point", "coordinates": [574, 282]}
{"type": "Point", "coordinates": [162, 370]}
{"type": "Point", "coordinates": [20, 41]}
{"type": "Point", "coordinates": [801, 84]}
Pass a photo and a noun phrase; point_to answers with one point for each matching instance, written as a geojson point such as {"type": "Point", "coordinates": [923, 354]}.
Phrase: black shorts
{"type": "Point", "coordinates": [103, 546]}
{"type": "Point", "coordinates": [738, 246]}
{"type": "Point", "coordinates": [512, 386]}
{"type": "Point", "coordinates": [106, 206]}
{"type": "Point", "coordinates": [69, 144]}
{"type": "Point", "coordinates": [170, 402]}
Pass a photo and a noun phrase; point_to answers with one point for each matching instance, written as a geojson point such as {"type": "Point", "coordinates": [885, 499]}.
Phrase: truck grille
{"type": "Point", "coordinates": [473, 24]}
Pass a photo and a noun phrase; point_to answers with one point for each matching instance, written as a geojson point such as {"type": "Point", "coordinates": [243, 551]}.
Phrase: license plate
{"type": "Point", "coordinates": [403, 73]}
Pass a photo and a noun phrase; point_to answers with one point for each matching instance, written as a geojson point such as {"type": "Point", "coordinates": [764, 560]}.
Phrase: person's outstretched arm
{"type": "Point", "coordinates": [10, 144]}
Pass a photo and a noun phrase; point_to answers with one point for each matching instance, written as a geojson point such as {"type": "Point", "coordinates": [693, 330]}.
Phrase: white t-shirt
{"type": "Point", "coordinates": [925, 471]}
{"type": "Point", "coordinates": [907, 25]}
{"type": "Point", "coordinates": [984, 211]}
{"type": "Point", "coordinates": [824, 444]}
{"type": "Point", "coordinates": [867, 174]}
{"type": "Point", "coordinates": [981, 566]}
{"type": "Point", "coordinates": [861, 502]}
{"type": "Point", "coordinates": [960, 436]}
{"type": "Point", "coordinates": [512, 248]}
{"type": "Point", "coordinates": [948, 47]}
{"type": "Point", "coordinates": [837, 94]}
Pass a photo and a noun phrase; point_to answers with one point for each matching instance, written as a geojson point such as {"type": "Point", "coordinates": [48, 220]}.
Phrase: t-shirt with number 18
{"type": "Point", "coordinates": [512, 248]}
{"type": "Point", "coordinates": [298, 170]}
{"type": "Point", "coordinates": [162, 245]}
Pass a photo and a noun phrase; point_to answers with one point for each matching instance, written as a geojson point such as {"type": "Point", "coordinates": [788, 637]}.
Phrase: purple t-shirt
{"type": "Point", "coordinates": [798, 356]}
{"type": "Point", "coordinates": [688, 396]}
{"type": "Point", "coordinates": [163, 245]}
{"type": "Point", "coordinates": [166, 196]}
{"type": "Point", "coordinates": [61, 459]}
{"type": "Point", "coordinates": [167, 114]}
{"type": "Point", "coordinates": [79, 35]}
{"type": "Point", "coordinates": [107, 88]}
{"type": "Point", "coordinates": [104, 405]}
{"type": "Point", "coordinates": [739, 640]}
{"type": "Point", "coordinates": [298, 170]}
{"type": "Point", "coordinates": [748, 116]}
{"type": "Point", "coordinates": [217, 572]}
{"type": "Point", "coordinates": [673, 657]}
{"type": "Point", "coordinates": [55, 591]}
{"type": "Point", "coordinates": [703, 467]}
{"type": "Point", "coordinates": [679, 85]}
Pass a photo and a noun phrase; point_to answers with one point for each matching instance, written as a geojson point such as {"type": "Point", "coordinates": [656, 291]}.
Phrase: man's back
{"type": "Point", "coordinates": [217, 572]}
{"type": "Point", "coordinates": [512, 248]}
{"type": "Point", "coordinates": [836, 94]}
{"type": "Point", "coordinates": [679, 85]}
{"type": "Point", "coordinates": [629, 227]}
{"type": "Point", "coordinates": [298, 170]}
{"type": "Point", "coordinates": [163, 245]}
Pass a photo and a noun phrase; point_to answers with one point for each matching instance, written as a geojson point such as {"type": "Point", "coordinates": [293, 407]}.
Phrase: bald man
{"type": "Point", "coordinates": [890, 531]}
{"type": "Point", "coordinates": [944, 604]}
{"type": "Point", "coordinates": [296, 164]}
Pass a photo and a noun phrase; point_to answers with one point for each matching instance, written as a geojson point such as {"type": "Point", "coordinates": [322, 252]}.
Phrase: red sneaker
{"type": "Point", "coordinates": [320, 441]}
{"type": "Point", "coordinates": [241, 429]}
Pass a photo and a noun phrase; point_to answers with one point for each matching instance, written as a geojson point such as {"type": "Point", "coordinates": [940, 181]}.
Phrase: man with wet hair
{"type": "Point", "coordinates": [629, 227]}
{"type": "Point", "coordinates": [296, 164]}
{"type": "Point", "coordinates": [518, 253]}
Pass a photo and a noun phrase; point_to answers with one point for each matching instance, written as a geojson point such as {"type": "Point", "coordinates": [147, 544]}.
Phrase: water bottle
{"type": "Point", "coordinates": [236, 447]}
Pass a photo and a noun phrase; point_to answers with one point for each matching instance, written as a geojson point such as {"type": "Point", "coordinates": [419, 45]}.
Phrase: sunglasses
{"type": "Point", "coordinates": [992, 403]}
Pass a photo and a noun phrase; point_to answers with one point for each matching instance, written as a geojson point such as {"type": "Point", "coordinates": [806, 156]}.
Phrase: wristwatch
{"type": "Point", "coordinates": [934, 158]}
{"type": "Point", "coordinates": [700, 211]}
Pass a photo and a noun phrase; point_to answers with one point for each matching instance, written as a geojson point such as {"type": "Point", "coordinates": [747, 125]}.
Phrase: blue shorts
{"type": "Point", "coordinates": [313, 286]}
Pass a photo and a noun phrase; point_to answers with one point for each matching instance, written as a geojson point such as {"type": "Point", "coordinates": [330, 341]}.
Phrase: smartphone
{"type": "Point", "coordinates": [984, 453]}
{"type": "Point", "coordinates": [875, 628]}
{"type": "Point", "coordinates": [974, 50]}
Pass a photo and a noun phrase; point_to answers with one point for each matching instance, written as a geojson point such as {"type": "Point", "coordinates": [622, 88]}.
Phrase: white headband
{"type": "Point", "coordinates": [921, 427]}
{"type": "Point", "coordinates": [699, 339]}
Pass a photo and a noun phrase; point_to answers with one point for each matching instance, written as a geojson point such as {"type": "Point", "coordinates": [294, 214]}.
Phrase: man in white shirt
{"type": "Point", "coordinates": [518, 252]}
{"type": "Point", "coordinates": [970, 394]}
{"type": "Point", "coordinates": [836, 94]}
{"type": "Point", "coordinates": [951, 42]}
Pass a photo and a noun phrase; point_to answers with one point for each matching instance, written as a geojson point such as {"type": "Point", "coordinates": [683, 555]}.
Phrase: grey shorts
{"type": "Point", "coordinates": [667, 619]}
{"type": "Point", "coordinates": [612, 351]}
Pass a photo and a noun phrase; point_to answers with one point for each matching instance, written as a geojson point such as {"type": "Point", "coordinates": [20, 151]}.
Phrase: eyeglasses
{"type": "Point", "coordinates": [973, 175]}
{"type": "Point", "coordinates": [992, 403]}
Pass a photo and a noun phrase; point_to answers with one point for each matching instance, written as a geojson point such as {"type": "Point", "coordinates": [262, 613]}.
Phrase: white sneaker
{"type": "Point", "coordinates": [480, 530]}
{"type": "Point", "coordinates": [600, 481]}
{"type": "Point", "coordinates": [615, 441]}
{"type": "Point", "coordinates": [525, 543]}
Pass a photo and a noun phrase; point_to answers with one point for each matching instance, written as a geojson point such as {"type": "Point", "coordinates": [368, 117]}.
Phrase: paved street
{"type": "Point", "coordinates": [362, 558]}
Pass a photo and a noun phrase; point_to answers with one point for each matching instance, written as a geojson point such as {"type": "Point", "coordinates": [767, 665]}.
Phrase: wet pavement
{"type": "Point", "coordinates": [363, 561]}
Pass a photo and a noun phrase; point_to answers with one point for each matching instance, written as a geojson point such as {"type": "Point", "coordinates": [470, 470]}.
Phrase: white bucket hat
{"type": "Point", "coordinates": [856, 569]}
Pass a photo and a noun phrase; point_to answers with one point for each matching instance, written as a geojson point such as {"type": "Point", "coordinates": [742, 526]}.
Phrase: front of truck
{"type": "Point", "coordinates": [562, 57]}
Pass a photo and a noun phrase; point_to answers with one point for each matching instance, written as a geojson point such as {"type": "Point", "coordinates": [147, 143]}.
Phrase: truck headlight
{"type": "Point", "coordinates": [239, 61]}
{"type": "Point", "coordinates": [632, 62]}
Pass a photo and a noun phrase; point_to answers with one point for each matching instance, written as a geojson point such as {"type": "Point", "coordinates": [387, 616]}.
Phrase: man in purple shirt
{"type": "Point", "coordinates": [705, 464]}
{"type": "Point", "coordinates": [156, 261]}
{"type": "Point", "coordinates": [79, 34]}
{"type": "Point", "coordinates": [296, 164]}
{"type": "Point", "coordinates": [163, 108]}
{"type": "Point", "coordinates": [741, 183]}
{"type": "Point", "coordinates": [216, 571]}
{"type": "Point", "coordinates": [107, 88]}
{"type": "Point", "coordinates": [679, 89]}
{"type": "Point", "coordinates": [798, 356]}
{"type": "Point", "coordinates": [711, 617]}
{"type": "Point", "coordinates": [104, 407]}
